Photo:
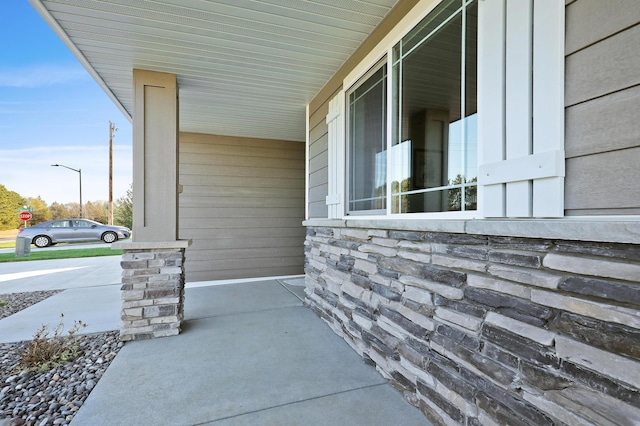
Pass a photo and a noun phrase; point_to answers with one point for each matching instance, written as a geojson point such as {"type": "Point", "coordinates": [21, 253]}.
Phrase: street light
{"type": "Point", "coordinates": [79, 175]}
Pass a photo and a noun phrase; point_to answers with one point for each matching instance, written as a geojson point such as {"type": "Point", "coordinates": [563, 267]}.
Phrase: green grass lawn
{"type": "Point", "coordinates": [60, 254]}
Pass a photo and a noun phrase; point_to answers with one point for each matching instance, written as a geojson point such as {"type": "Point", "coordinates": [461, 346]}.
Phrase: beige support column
{"type": "Point", "coordinates": [153, 264]}
{"type": "Point", "coordinates": [155, 156]}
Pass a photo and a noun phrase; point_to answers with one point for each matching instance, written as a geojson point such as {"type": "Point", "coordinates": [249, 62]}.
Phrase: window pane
{"type": "Point", "coordinates": [367, 144]}
{"type": "Point", "coordinates": [450, 198]}
{"type": "Point", "coordinates": [434, 143]}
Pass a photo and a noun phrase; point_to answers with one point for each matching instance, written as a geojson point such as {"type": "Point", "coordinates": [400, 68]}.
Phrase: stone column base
{"type": "Point", "coordinates": [152, 289]}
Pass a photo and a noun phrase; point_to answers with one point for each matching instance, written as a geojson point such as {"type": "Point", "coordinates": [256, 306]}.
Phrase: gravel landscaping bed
{"type": "Point", "coordinates": [52, 397]}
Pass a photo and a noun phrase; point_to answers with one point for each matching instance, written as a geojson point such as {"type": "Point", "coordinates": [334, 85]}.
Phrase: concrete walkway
{"type": "Point", "coordinates": [249, 354]}
{"type": "Point", "coordinates": [60, 274]}
{"type": "Point", "coordinates": [91, 294]}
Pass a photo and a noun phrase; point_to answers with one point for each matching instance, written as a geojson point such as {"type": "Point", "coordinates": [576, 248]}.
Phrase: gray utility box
{"type": "Point", "coordinates": [23, 246]}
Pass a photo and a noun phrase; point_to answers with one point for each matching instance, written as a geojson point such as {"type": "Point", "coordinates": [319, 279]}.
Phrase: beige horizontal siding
{"type": "Point", "coordinates": [605, 67]}
{"type": "Point", "coordinates": [603, 124]}
{"type": "Point", "coordinates": [192, 194]}
{"type": "Point", "coordinates": [244, 254]}
{"type": "Point", "coordinates": [242, 205]}
{"type": "Point", "coordinates": [593, 20]}
{"type": "Point", "coordinates": [191, 226]}
{"type": "Point", "coordinates": [604, 181]}
{"type": "Point", "coordinates": [239, 181]}
{"type": "Point", "coordinates": [604, 212]}
{"type": "Point", "coordinates": [228, 233]}
{"type": "Point", "coordinates": [227, 274]}
{"type": "Point", "coordinates": [251, 201]}
{"type": "Point", "coordinates": [218, 242]}
{"type": "Point", "coordinates": [602, 95]}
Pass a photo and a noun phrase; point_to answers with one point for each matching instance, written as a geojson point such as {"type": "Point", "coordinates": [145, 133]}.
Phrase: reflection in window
{"type": "Point", "coordinates": [367, 149]}
{"type": "Point", "coordinates": [434, 144]}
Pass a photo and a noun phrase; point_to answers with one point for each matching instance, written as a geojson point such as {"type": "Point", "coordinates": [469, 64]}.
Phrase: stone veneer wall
{"type": "Point", "coordinates": [487, 330]}
{"type": "Point", "coordinates": [152, 293]}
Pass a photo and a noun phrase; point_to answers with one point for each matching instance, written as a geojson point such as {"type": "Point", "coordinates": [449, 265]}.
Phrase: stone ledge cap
{"type": "Point", "coordinates": [614, 229]}
{"type": "Point", "coordinates": [150, 245]}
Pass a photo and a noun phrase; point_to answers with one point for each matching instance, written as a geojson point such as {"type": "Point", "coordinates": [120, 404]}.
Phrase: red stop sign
{"type": "Point", "coordinates": [25, 216]}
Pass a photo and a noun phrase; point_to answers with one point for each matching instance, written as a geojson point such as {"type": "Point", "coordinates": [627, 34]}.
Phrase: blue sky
{"type": "Point", "coordinates": [52, 111]}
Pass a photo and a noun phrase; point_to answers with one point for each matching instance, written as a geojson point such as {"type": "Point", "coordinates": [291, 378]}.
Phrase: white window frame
{"type": "Point", "coordinates": [543, 167]}
{"type": "Point", "coordinates": [383, 50]}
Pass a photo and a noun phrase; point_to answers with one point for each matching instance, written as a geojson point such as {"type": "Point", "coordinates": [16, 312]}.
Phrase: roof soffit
{"type": "Point", "coordinates": [244, 67]}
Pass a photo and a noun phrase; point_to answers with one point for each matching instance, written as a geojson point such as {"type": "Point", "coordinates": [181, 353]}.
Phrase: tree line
{"type": "Point", "coordinates": [11, 202]}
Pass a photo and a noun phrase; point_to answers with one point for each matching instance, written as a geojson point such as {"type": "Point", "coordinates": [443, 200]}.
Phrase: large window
{"type": "Point", "coordinates": [432, 164]}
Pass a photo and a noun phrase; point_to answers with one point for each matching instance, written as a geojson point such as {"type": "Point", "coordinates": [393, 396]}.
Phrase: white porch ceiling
{"type": "Point", "coordinates": [244, 67]}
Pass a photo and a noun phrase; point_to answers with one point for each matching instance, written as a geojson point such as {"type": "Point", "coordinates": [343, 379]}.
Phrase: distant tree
{"type": "Point", "coordinates": [470, 193]}
{"type": "Point", "coordinates": [59, 211]}
{"type": "Point", "coordinates": [96, 210]}
{"type": "Point", "coordinates": [10, 202]}
{"type": "Point", "coordinates": [73, 209]}
{"type": "Point", "coordinates": [123, 209]}
{"type": "Point", "coordinates": [40, 211]}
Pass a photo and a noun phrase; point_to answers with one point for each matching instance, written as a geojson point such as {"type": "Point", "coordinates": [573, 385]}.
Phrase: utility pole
{"type": "Point", "coordinates": [112, 129]}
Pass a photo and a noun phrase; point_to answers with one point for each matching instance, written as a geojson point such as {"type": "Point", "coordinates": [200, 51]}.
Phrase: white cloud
{"type": "Point", "coordinates": [42, 75]}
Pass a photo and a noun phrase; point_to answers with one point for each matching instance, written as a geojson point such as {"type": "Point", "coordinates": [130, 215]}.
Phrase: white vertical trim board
{"type": "Point", "coordinates": [548, 102]}
{"type": "Point", "coordinates": [491, 102]}
{"type": "Point", "coordinates": [306, 164]}
{"type": "Point", "coordinates": [518, 101]}
{"type": "Point", "coordinates": [521, 108]}
{"type": "Point", "coordinates": [389, 125]}
{"type": "Point", "coordinates": [335, 152]}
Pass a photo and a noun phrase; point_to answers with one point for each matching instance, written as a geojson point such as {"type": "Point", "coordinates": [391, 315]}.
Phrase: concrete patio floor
{"type": "Point", "coordinates": [249, 354]}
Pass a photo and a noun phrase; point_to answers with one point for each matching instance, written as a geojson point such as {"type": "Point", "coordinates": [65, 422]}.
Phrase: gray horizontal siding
{"type": "Point", "coordinates": [318, 162]}
{"type": "Point", "coordinates": [602, 96]}
{"type": "Point", "coordinates": [242, 205]}
{"type": "Point", "coordinates": [605, 67]}
{"type": "Point", "coordinates": [603, 124]}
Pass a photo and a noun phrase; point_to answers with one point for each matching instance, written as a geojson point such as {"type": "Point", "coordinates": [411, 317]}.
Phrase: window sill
{"type": "Point", "coordinates": [606, 229]}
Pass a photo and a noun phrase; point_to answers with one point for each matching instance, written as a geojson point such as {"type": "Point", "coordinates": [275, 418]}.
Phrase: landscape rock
{"type": "Point", "coordinates": [50, 397]}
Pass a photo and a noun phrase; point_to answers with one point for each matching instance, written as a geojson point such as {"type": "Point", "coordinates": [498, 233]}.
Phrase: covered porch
{"type": "Point", "coordinates": [250, 353]}
{"type": "Point", "coordinates": [219, 95]}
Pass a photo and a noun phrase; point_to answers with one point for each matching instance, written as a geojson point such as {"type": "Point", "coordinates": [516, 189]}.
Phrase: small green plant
{"type": "Point", "coordinates": [44, 353]}
{"type": "Point", "coordinates": [3, 303]}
